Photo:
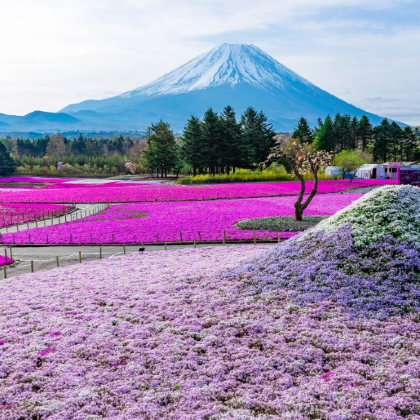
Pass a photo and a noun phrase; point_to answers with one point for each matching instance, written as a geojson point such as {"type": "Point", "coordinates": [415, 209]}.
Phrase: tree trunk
{"type": "Point", "coordinates": [298, 202]}
{"type": "Point", "coordinates": [312, 194]}
{"type": "Point", "coordinates": [298, 212]}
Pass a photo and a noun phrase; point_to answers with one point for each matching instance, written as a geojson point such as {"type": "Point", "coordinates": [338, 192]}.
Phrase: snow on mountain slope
{"type": "Point", "coordinates": [239, 75]}
{"type": "Point", "coordinates": [228, 64]}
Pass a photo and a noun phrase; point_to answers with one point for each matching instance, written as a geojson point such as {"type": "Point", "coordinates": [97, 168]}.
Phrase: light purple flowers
{"type": "Point", "coordinates": [377, 276]}
{"type": "Point", "coordinates": [163, 336]}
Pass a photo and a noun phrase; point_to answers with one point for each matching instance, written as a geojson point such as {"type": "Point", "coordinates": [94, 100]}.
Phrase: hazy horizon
{"type": "Point", "coordinates": [57, 54]}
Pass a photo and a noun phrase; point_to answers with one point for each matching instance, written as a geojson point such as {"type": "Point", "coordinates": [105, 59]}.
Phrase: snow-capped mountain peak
{"type": "Point", "coordinates": [228, 64]}
{"type": "Point", "coordinates": [238, 75]}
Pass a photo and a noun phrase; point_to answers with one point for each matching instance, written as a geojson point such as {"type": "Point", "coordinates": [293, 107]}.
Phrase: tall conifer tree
{"type": "Point", "coordinates": [192, 145]}
{"type": "Point", "coordinates": [7, 163]}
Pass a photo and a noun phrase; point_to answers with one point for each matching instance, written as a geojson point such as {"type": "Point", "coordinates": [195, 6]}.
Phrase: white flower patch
{"type": "Point", "coordinates": [391, 210]}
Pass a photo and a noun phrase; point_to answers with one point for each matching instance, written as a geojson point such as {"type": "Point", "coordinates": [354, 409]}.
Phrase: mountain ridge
{"type": "Point", "coordinates": [240, 75]}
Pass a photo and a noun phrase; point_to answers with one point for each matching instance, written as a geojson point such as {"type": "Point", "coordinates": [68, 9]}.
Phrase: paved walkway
{"type": "Point", "coordinates": [83, 210]}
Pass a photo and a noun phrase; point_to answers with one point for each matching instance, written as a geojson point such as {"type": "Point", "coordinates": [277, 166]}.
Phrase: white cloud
{"type": "Point", "coordinates": [58, 52]}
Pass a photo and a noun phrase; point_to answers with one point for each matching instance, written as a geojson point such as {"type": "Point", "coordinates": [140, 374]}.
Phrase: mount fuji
{"type": "Point", "coordinates": [232, 74]}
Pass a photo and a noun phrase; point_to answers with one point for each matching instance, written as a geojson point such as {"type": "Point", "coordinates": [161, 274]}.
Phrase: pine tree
{"type": "Point", "coordinates": [354, 132]}
{"type": "Point", "coordinates": [267, 138]}
{"type": "Point", "coordinates": [303, 132]}
{"type": "Point", "coordinates": [161, 154]}
{"type": "Point", "coordinates": [381, 141]}
{"type": "Point", "coordinates": [409, 144]}
{"type": "Point", "coordinates": [364, 133]}
{"type": "Point", "coordinates": [396, 147]}
{"type": "Point", "coordinates": [326, 139]}
{"type": "Point", "coordinates": [343, 132]}
{"type": "Point", "coordinates": [212, 140]}
{"type": "Point", "coordinates": [234, 152]}
{"type": "Point", "coordinates": [250, 134]}
{"type": "Point", "coordinates": [78, 146]}
{"type": "Point", "coordinates": [7, 163]}
{"type": "Point", "coordinates": [258, 136]}
{"type": "Point", "coordinates": [192, 147]}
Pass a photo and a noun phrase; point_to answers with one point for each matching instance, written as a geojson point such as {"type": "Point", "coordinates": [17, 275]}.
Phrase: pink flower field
{"type": "Point", "coordinates": [120, 192]}
{"type": "Point", "coordinates": [16, 213]}
{"type": "Point", "coordinates": [5, 260]}
{"type": "Point", "coordinates": [164, 336]}
{"type": "Point", "coordinates": [34, 179]}
{"type": "Point", "coordinates": [177, 221]}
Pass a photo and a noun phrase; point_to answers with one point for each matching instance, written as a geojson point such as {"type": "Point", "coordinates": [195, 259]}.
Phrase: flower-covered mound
{"type": "Point", "coordinates": [163, 336]}
{"type": "Point", "coordinates": [5, 260]}
{"type": "Point", "coordinates": [390, 210]}
{"type": "Point", "coordinates": [365, 258]}
{"type": "Point", "coordinates": [176, 221]}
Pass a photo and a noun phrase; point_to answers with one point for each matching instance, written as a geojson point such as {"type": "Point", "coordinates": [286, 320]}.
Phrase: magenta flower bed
{"type": "Point", "coordinates": [14, 213]}
{"type": "Point", "coordinates": [34, 180]}
{"type": "Point", "coordinates": [161, 336]}
{"type": "Point", "coordinates": [176, 221]}
{"type": "Point", "coordinates": [127, 192]}
{"type": "Point", "coordinates": [5, 260]}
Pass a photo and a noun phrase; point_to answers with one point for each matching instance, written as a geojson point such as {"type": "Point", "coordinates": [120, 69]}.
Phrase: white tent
{"type": "Point", "coordinates": [333, 170]}
{"type": "Point", "coordinates": [370, 171]}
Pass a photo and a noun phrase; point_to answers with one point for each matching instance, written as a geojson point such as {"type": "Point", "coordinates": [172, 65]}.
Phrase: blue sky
{"type": "Point", "coordinates": [54, 53]}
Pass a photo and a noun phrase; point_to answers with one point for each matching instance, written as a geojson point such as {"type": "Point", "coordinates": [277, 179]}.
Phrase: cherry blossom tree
{"type": "Point", "coordinates": [303, 159]}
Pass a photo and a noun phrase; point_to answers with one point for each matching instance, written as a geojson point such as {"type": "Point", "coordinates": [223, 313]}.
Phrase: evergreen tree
{"type": "Point", "coordinates": [78, 146]}
{"type": "Point", "coordinates": [93, 147]}
{"type": "Point", "coordinates": [303, 132]}
{"type": "Point", "coordinates": [7, 164]}
{"type": "Point", "coordinates": [354, 131]}
{"type": "Point", "coordinates": [325, 139]}
{"type": "Point", "coordinates": [381, 141]}
{"type": "Point", "coordinates": [192, 147]}
{"type": "Point", "coordinates": [267, 138]}
{"type": "Point", "coordinates": [396, 147]}
{"type": "Point", "coordinates": [364, 133]}
{"type": "Point", "coordinates": [250, 134]}
{"type": "Point", "coordinates": [258, 136]}
{"type": "Point", "coordinates": [234, 153]}
{"type": "Point", "coordinates": [161, 154]}
{"type": "Point", "coordinates": [343, 133]}
{"type": "Point", "coordinates": [409, 145]}
{"type": "Point", "coordinates": [212, 140]}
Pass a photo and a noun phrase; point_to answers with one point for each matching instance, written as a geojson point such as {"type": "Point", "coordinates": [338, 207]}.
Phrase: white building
{"type": "Point", "coordinates": [371, 171]}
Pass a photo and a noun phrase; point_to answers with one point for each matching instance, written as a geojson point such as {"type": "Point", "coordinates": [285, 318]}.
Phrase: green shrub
{"type": "Point", "coordinates": [241, 175]}
{"type": "Point", "coordinates": [273, 173]}
{"type": "Point", "coordinates": [280, 224]}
